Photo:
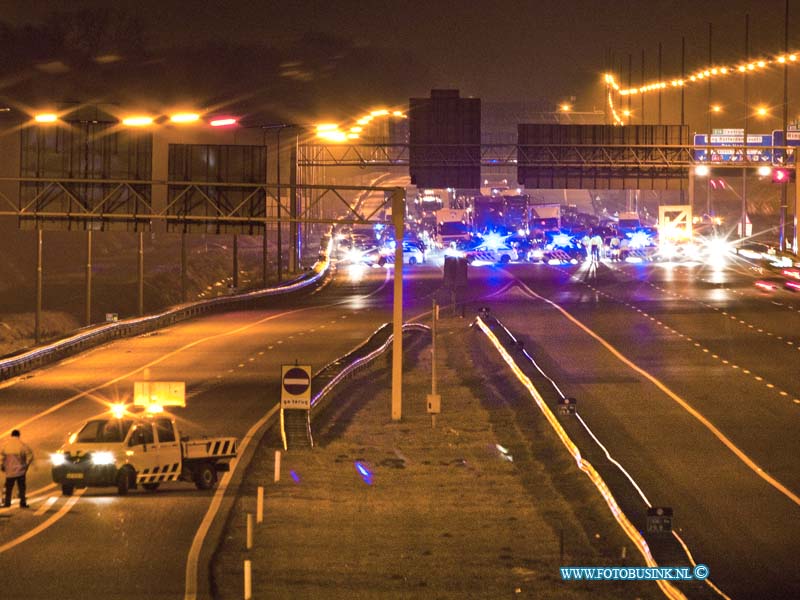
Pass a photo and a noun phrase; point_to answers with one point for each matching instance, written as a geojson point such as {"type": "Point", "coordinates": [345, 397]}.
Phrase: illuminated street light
{"type": "Point", "coordinates": [46, 118]}
{"type": "Point", "coordinates": [764, 171]}
{"type": "Point", "coordinates": [565, 107]}
{"type": "Point", "coordinates": [327, 127]}
{"type": "Point", "coordinates": [332, 136]}
{"type": "Point", "coordinates": [715, 108]}
{"type": "Point", "coordinates": [702, 170]}
{"type": "Point", "coordinates": [223, 122]}
{"type": "Point", "coordinates": [761, 111]}
{"type": "Point", "coordinates": [184, 118]}
{"type": "Point", "coordinates": [137, 121]}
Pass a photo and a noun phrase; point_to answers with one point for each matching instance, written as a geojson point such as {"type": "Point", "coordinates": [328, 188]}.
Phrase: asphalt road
{"type": "Point", "coordinates": [694, 339]}
{"type": "Point", "coordinates": [100, 545]}
{"type": "Point", "coordinates": [726, 351]}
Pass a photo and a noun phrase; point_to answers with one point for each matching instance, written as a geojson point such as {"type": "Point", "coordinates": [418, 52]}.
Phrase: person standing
{"type": "Point", "coordinates": [15, 458]}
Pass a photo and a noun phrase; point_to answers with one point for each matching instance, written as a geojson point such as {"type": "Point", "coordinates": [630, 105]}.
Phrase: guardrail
{"type": "Point", "coordinates": [494, 330]}
{"type": "Point", "coordinates": [48, 353]}
{"type": "Point", "coordinates": [360, 360]}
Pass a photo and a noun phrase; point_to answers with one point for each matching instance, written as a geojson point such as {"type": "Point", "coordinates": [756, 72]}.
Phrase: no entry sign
{"type": "Point", "coordinates": [296, 386]}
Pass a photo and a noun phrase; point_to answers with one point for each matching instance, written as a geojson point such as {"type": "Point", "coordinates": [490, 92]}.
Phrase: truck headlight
{"type": "Point", "coordinates": [103, 458]}
{"type": "Point", "coordinates": [58, 459]}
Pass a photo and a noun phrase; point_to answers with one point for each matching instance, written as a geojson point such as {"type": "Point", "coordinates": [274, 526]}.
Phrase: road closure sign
{"type": "Point", "coordinates": [296, 386]}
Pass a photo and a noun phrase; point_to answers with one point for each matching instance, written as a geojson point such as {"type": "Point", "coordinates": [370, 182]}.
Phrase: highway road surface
{"type": "Point", "coordinates": [685, 373]}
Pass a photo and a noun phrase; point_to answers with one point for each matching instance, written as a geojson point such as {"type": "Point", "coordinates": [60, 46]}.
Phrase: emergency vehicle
{"type": "Point", "coordinates": [140, 445]}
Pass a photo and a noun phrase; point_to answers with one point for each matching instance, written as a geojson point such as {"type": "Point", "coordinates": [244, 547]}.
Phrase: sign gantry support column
{"type": "Point", "coordinates": [398, 212]}
{"type": "Point", "coordinates": [88, 319]}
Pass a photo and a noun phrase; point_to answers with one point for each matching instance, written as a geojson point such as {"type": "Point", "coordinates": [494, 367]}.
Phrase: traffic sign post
{"type": "Point", "coordinates": [659, 519]}
{"type": "Point", "coordinates": [567, 406]}
{"type": "Point", "coordinates": [296, 386]}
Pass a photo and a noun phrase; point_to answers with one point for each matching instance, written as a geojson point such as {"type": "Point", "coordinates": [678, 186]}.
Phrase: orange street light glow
{"type": "Point", "coordinates": [761, 111]}
{"type": "Point", "coordinates": [333, 136]}
{"type": "Point", "coordinates": [223, 122]}
{"type": "Point", "coordinates": [716, 108]}
{"type": "Point", "coordinates": [137, 121]}
{"type": "Point", "coordinates": [327, 127]}
{"type": "Point", "coordinates": [46, 118]}
{"type": "Point", "coordinates": [184, 118]}
{"type": "Point", "coordinates": [565, 107]}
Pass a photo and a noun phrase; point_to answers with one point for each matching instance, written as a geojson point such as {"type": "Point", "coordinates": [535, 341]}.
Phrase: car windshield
{"type": "Point", "coordinates": [105, 430]}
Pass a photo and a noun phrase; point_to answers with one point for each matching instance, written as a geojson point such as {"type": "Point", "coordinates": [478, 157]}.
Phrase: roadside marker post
{"type": "Point", "coordinates": [260, 504]}
{"type": "Point", "coordinates": [248, 581]}
{"type": "Point", "coordinates": [249, 541]}
{"type": "Point", "coordinates": [277, 466]}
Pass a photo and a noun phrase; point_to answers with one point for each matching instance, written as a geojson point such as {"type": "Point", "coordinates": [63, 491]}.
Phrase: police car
{"type": "Point", "coordinates": [138, 445]}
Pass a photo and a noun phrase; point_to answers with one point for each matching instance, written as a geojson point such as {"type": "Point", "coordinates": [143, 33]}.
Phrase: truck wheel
{"type": "Point", "coordinates": [412, 260]}
{"type": "Point", "coordinates": [151, 487]}
{"type": "Point", "coordinates": [67, 489]}
{"type": "Point", "coordinates": [205, 477]}
{"type": "Point", "coordinates": [123, 482]}
{"type": "Point", "coordinates": [505, 259]}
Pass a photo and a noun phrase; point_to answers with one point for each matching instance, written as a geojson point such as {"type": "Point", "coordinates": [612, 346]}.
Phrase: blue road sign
{"type": "Point", "coordinates": [728, 143]}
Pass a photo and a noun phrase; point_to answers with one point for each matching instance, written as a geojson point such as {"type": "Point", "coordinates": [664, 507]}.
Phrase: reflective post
{"type": "Point", "coordinates": [398, 208]}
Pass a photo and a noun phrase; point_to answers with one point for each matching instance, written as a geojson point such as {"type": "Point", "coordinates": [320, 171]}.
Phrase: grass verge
{"type": "Point", "coordinates": [445, 513]}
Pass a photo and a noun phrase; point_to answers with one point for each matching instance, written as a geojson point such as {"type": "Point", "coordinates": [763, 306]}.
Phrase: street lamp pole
{"type": "Point", "coordinates": [743, 232]}
{"type": "Point", "coordinates": [784, 190]}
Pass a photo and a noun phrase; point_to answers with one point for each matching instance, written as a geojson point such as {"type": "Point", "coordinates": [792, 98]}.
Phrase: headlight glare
{"type": "Point", "coordinates": [58, 459]}
{"type": "Point", "coordinates": [102, 458]}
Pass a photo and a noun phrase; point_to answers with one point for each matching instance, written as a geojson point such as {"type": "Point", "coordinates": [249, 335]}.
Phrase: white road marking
{"type": "Point", "coordinates": [46, 506]}
{"type": "Point", "coordinates": [190, 589]}
{"type": "Point", "coordinates": [42, 526]}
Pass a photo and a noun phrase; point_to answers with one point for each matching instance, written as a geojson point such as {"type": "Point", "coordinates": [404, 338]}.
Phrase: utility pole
{"type": "Point", "coordinates": [38, 323]}
{"type": "Point", "coordinates": [784, 190]}
{"type": "Point", "coordinates": [398, 213]}
{"type": "Point", "coordinates": [88, 319]}
{"type": "Point", "coordinates": [745, 157]}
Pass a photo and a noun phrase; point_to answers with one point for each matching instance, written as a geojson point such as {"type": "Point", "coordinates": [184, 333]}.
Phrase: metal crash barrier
{"type": "Point", "coordinates": [95, 335]}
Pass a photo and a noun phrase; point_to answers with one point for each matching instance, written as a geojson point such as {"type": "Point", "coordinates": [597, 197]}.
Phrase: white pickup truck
{"type": "Point", "coordinates": [144, 449]}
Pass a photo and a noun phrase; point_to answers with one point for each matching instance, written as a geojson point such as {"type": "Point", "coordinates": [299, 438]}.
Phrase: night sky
{"type": "Point", "coordinates": [385, 52]}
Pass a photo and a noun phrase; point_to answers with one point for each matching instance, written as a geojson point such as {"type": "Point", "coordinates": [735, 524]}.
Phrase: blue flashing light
{"type": "Point", "coordinates": [562, 240]}
{"type": "Point", "coordinates": [639, 239]}
{"type": "Point", "coordinates": [295, 476]}
{"type": "Point", "coordinates": [365, 473]}
{"type": "Point", "coordinates": [494, 241]}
